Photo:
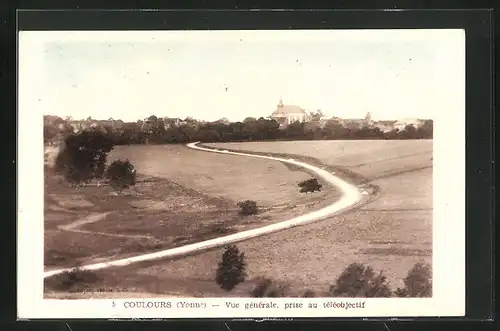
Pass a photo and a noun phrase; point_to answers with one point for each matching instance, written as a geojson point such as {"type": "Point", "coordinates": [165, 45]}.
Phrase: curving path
{"type": "Point", "coordinates": [96, 217]}
{"type": "Point", "coordinates": [351, 195]}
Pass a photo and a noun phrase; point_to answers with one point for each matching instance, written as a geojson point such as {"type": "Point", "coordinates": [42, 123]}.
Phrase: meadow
{"type": "Point", "coordinates": [391, 233]}
{"type": "Point", "coordinates": [182, 196]}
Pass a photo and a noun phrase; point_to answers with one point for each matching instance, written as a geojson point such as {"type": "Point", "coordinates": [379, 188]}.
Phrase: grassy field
{"type": "Point", "coordinates": [235, 178]}
{"type": "Point", "coordinates": [391, 233]}
{"type": "Point", "coordinates": [182, 196]}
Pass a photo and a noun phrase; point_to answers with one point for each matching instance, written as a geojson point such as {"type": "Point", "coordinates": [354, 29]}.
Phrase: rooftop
{"type": "Point", "coordinates": [288, 109]}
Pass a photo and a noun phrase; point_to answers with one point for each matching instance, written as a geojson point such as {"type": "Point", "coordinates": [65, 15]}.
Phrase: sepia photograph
{"type": "Point", "coordinates": [244, 164]}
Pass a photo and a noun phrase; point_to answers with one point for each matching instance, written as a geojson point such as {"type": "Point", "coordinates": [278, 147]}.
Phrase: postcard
{"type": "Point", "coordinates": [241, 174]}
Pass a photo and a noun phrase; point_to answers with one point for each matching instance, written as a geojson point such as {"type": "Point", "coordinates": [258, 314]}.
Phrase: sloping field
{"type": "Point", "coordinates": [182, 197]}
{"type": "Point", "coordinates": [233, 178]}
{"type": "Point", "coordinates": [391, 233]}
{"type": "Point", "coordinates": [372, 159]}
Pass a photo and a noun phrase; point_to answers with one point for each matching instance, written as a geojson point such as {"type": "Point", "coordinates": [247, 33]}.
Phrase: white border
{"type": "Point", "coordinates": [448, 189]}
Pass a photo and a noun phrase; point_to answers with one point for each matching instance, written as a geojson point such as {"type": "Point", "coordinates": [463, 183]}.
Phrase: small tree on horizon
{"type": "Point", "coordinates": [231, 270]}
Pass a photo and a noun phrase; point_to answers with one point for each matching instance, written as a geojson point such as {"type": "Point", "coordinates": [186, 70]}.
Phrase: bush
{"type": "Point", "coordinates": [269, 288]}
{"type": "Point", "coordinates": [231, 270]}
{"type": "Point", "coordinates": [248, 207]}
{"type": "Point", "coordinates": [310, 185]}
{"type": "Point", "coordinates": [359, 280]}
{"type": "Point", "coordinates": [121, 174]}
{"type": "Point", "coordinates": [75, 280]}
{"type": "Point", "coordinates": [220, 228]}
{"type": "Point", "coordinates": [309, 294]}
{"type": "Point", "coordinates": [418, 282]}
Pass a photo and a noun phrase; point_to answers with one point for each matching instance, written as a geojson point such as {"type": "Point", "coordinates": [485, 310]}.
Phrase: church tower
{"type": "Point", "coordinates": [368, 118]}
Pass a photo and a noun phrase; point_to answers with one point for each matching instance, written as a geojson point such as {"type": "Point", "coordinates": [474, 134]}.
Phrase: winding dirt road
{"type": "Point", "coordinates": [351, 196]}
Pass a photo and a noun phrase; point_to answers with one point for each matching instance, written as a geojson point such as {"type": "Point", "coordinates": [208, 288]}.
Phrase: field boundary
{"type": "Point", "coordinates": [351, 197]}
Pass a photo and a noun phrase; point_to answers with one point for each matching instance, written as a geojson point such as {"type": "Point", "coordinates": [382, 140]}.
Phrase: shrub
{"type": "Point", "coordinates": [220, 228]}
{"type": "Point", "coordinates": [121, 174]}
{"type": "Point", "coordinates": [75, 280]}
{"type": "Point", "coordinates": [269, 288]}
{"type": "Point", "coordinates": [418, 282]}
{"type": "Point", "coordinates": [310, 185]}
{"type": "Point", "coordinates": [309, 294]}
{"type": "Point", "coordinates": [248, 207]}
{"type": "Point", "coordinates": [231, 270]}
{"type": "Point", "coordinates": [359, 280]}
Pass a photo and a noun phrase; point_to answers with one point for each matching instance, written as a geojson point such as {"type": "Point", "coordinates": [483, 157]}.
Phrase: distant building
{"type": "Point", "coordinates": [171, 122]}
{"type": "Point", "coordinates": [336, 120]}
{"type": "Point", "coordinates": [401, 124]}
{"type": "Point", "coordinates": [358, 123]}
{"type": "Point", "coordinates": [286, 114]}
{"type": "Point", "coordinates": [81, 125]}
{"type": "Point", "coordinates": [384, 126]}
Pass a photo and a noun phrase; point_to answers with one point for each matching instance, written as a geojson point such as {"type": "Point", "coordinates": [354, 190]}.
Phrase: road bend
{"type": "Point", "coordinates": [351, 195]}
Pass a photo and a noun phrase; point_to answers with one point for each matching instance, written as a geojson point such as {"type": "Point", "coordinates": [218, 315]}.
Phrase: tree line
{"type": "Point", "coordinates": [155, 131]}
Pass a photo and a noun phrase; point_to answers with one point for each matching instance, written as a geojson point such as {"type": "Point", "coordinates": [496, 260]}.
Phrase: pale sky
{"type": "Point", "coordinates": [238, 74]}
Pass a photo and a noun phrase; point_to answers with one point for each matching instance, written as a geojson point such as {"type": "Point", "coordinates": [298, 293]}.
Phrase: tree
{"type": "Point", "coordinates": [426, 130]}
{"type": "Point", "coordinates": [249, 119]}
{"type": "Point", "coordinates": [75, 280]}
{"type": "Point", "coordinates": [207, 136]}
{"type": "Point", "coordinates": [409, 132]}
{"type": "Point", "coordinates": [316, 115]}
{"type": "Point", "coordinates": [309, 294]}
{"type": "Point", "coordinates": [49, 132]}
{"type": "Point", "coordinates": [231, 270]}
{"type": "Point", "coordinates": [248, 207]}
{"type": "Point", "coordinates": [84, 155]}
{"type": "Point", "coordinates": [310, 185]}
{"type": "Point", "coordinates": [393, 134]}
{"type": "Point", "coordinates": [295, 130]}
{"type": "Point", "coordinates": [418, 282]}
{"type": "Point", "coordinates": [359, 280]}
{"type": "Point", "coordinates": [121, 174]}
{"type": "Point", "coordinates": [270, 288]}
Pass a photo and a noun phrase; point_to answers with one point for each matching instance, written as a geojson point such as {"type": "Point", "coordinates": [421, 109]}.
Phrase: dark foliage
{"type": "Point", "coordinates": [418, 282]}
{"type": "Point", "coordinates": [74, 280]}
{"type": "Point", "coordinates": [310, 185]}
{"type": "Point", "coordinates": [121, 174]}
{"type": "Point", "coordinates": [207, 136]}
{"type": "Point", "coordinates": [269, 288]}
{"type": "Point", "coordinates": [248, 207]}
{"type": "Point", "coordinates": [84, 155]}
{"type": "Point", "coordinates": [359, 280]}
{"type": "Point", "coordinates": [231, 270]}
{"type": "Point", "coordinates": [156, 130]}
{"type": "Point", "coordinates": [309, 294]}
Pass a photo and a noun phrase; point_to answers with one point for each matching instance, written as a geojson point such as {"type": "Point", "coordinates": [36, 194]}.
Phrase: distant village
{"type": "Point", "coordinates": [283, 115]}
{"type": "Point", "coordinates": [287, 114]}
